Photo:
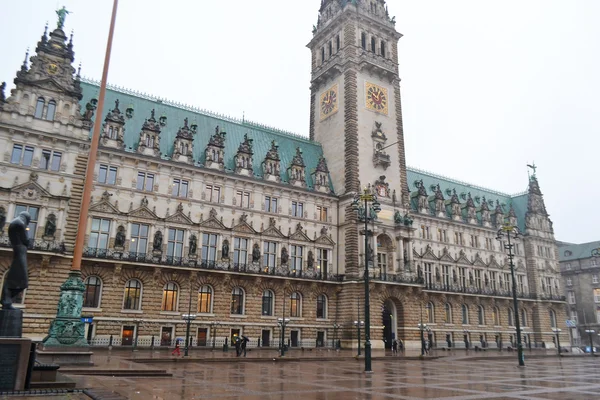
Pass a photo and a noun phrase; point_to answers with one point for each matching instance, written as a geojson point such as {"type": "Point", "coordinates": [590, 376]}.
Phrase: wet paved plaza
{"type": "Point", "coordinates": [455, 378]}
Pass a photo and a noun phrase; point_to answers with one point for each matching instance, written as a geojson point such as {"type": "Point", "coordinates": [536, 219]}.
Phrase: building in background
{"type": "Point", "coordinates": [241, 224]}
{"type": "Point", "coordinates": [580, 271]}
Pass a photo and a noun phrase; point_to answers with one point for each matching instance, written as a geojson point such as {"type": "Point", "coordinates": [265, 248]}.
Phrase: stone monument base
{"type": "Point", "coordinates": [64, 356]}
{"type": "Point", "coordinates": [11, 323]}
{"type": "Point", "coordinates": [14, 360]}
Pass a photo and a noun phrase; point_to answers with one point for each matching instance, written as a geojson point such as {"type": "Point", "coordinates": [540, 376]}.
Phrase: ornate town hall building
{"type": "Point", "coordinates": [245, 223]}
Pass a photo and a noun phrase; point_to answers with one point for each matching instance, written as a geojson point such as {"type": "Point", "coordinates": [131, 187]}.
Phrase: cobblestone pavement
{"type": "Point", "coordinates": [452, 378]}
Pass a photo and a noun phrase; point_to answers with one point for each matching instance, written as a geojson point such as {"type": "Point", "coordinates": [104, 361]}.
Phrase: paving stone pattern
{"type": "Point", "coordinates": [452, 378]}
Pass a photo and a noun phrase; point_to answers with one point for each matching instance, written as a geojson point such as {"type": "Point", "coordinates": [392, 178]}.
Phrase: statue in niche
{"type": "Point", "coordinates": [193, 245]}
{"type": "Point", "coordinates": [158, 240]}
{"type": "Point", "coordinates": [50, 228]}
{"type": "Point", "coordinates": [225, 250]}
{"type": "Point", "coordinates": [284, 256]}
{"type": "Point", "coordinates": [120, 238]}
{"type": "Point", "coordinates": [256, 253]}
{"type": "Point", "coordinates": [16, 279]}
{"type": "Point", "coordinates": [311, 259]}
{"type": "Point", "coordinates": [2, 220]}
{"type": "Point", "coordinates": [371, 253]}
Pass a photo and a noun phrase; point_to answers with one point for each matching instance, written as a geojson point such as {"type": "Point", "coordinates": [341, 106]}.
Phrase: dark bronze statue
{"type": "Point", "coordinates": [256, 253]}
{"type": "Point", "coordinates": [157, 245]}
{"type": "Point", "coordinates": [284, 256]}
{"type": "Point", "coordinates": [120, 238]}
{"type": "Point", "coordinates": [16, 280]}
{"type": "Point", "coordinates": [225, 250]}
{"type": "Point", "coordinates": [50, 228]}
{"type": "Point", "coordinates": [193, 244]}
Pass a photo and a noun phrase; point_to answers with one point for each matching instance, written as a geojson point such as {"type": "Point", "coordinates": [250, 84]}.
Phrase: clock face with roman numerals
{"type": "Point", "coordinates": [329, 102]}
{"type": "Point", "coordinates": [376, 98]}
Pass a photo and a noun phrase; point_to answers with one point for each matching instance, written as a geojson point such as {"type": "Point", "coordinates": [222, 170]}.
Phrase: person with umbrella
{"type": "Point", "coordinates": [245, 341]}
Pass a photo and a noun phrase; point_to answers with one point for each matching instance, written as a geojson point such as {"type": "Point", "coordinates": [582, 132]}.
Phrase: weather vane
{"type": "Point", "coordinates": [62, 14]}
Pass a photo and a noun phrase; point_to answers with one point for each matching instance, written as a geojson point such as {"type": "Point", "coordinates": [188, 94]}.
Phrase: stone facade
{"type": "Point", "coordinates": [241, 224]}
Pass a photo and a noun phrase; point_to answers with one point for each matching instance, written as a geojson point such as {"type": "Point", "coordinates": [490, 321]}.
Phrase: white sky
{"type": "Point", "coordinates": [487, 87]}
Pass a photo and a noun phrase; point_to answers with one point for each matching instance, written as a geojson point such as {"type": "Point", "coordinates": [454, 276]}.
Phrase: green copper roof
{"type": "Point", "coordinates": [570, 252]}
{"type": "Point", "coordinates": [207, 122]}
{"type": "Point", "coordinates": [447, 185]}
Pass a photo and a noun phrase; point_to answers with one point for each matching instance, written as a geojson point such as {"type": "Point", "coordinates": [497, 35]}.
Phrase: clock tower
{"type": "Point", "coordinates": [356, 110]}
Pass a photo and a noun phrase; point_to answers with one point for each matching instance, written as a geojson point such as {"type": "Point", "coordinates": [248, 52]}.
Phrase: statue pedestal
{"type": "Point", "coordinates": [11, 323]}
{"type": "Point", "coordinates": [14, 360]}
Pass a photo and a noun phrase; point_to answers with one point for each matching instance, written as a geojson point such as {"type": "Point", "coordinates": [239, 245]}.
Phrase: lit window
{"type": "Point", "coordinates": [237, 301]}
{"type": "Point", "coordinates": [596, 296]}
{"type": "Point", "coordinates": [205, 299]}
{"type": "Point", "coordinates": [170, 292]}
{"type": "Point", "coordinates": [295, 305]}
{"type": "Point", "coordinates": [33, 213]}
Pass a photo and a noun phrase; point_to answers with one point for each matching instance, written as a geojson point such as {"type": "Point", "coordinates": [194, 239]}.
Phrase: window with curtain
{"type": "Point", "coordinates": [170, 292]}
{"type": "Point", "coordinates": [133, 295]}
{"type": "Point", "coordinates": [205, 295]}
{"type": "Point", "coordinates": [93, 289]}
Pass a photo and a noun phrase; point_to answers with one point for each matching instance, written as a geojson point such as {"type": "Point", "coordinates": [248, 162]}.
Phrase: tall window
{"type": "Point", "coordinates": [496, 316]}
{"type": "Point", "coordinates": [175, 243]}
{"type": "Point", "coordinates": [145, 181]}
{"type": "Point", "coordinates": [100, 233]}
{"type": "Point", "coordinates": [295, 305]}
{"type": "Point", "coordinates": [363, 40]}
{"type": "Point", "coordinates": [337, 43]}
{"type": "Point", "coordinates": [170, 292]}
{"type": "Point", "coordinates": [50, 160]}
{"type": "Point", "coordinates": [462, 276]}
{"type": "Point", "coordinates": [465, 314]}
{"type": "Point", "coordinates": [330, 49]}
{"type": "Point", "coordinates": [428, 273]}
{"type": "Point", "coordinates": [243, 199]}
{"type": "Point", "coordinates": [22, 155]}
{"type": "Point", "coordinates": [382, 262]}
{"type": "Point", "coordinates": [205, 295]}
{"type": "Point", "coordinates": [448, 313]}
{"type": "Point", "coordinates": [296, 254]}
{"type": "Point", "coordinates": [51, 110]}
{"type": "Point", "coordinates": [107, 174]}
{"type": "Point", "coordinates": [373, 49]}
{"type": "Point", "coordinates": [430, 313]}
{"type": "Point", "coordinates": [571, 297]}
{"type": "Point", "coordinates": [596, 296]}
{"type": "Point", "coordinates": [322, 213]}
{"type": "Point", "coordinates": [552, 315]}
{"type": "Point", "coordinates": [478, 279]}
{"type": "Point", "coordinates": [209, 247]}
{"type": "Point", "coordinates": [595, 278]}
{"type": "Point", "coordinates": [39, 108]}
{"type": "Point", "coordinates": [271, 204]}
{"type": "Point", "coordinates": [297, 209]}
{"type": "Point", "coordinates": [213, 193]}
{"type": "Point", "coordinates": [240, 251]}
{"type": "Point", "coordinates": [93, 288]}
{"type": "Point", "coordinates": [133, 295]}
{"type": "Point", "coordinates": [269, 254]}
{"type": "Point", "coordinates": [524, 321]}
{"type": "Point", "coordinates": [180, 188]}
{"type": "Point", "coordinates": [33, 213]}
{"type": "Point", "coordinates": [322, 55]}
{"type": "Point", "coordinates": [322, 306]}
{"type": "Point", "coordinates": [139, 238]}
{"type": "Point", "coordinates": [480, 315]}
{"type": "Point", "coordinates": [511, 317]}
{"type": "Point", "coordinates": [382, 52]}
{"type": "Point", "coordinates": [267, 303]}
{"type": "Point", "coordinates": [446, 275]}
{"type": "Point", "coordinates": [322, 260]}
{"type": "Point", "coordinates": [493, 280]}
{"type": "Point", "coordinates": [237, 301]}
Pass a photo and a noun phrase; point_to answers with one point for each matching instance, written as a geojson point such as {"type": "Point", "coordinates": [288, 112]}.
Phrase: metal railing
{"type": "Point", "coordinates": [156, 342]}
{"type": "Point", "coordinates": [38, 244]}
{"type": "Point", "coordinates": [476, 290]}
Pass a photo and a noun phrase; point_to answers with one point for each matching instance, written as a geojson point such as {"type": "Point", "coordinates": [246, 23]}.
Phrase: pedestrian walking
{"type": "Point", "coordinates": [245, 341]}
{"type": "Point", "coordinates": [395, 347]}
{"type": "Point", "coordinates": [400, 345]}
{"type": "Point", "coordinates": [238, 346]}
{"type": "Point", "coordinates": [177, 349]}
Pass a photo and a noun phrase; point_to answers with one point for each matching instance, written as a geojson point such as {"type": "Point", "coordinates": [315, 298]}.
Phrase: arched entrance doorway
{"type": "Point", "coordinates": [389, 316]}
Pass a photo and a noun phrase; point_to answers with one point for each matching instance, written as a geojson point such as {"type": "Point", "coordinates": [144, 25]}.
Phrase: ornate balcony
{"type": "Point", "coordinates": [38, 245]}
{"type": "Point", "coordinates": [191, 262]}
{"type": "Point", "coordinates": [554, 297]}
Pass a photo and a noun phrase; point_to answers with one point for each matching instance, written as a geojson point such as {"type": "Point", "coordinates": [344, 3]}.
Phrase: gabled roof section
{"type": "Point", "coordinates": [570, 251]}
{"type": "Point", "coordinates": [206, 122]}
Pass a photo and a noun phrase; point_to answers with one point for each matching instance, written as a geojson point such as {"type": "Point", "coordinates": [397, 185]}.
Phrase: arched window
{"type": "Point", "coordinates": [169, 302]}
{"type": "Point", "coordinates": [51, 110]}
{"type": "Point", "coordinates": [448, 313]}
{"type": "Point", "coordinates": [496, 316]}
{"type": "Point", "coordinates": [18, 300]}
{"type": "Point", "coordinates": [39, 108]}
{"type": "Point", "coordinates": [511, 317]}
{"type": "Point", "coordinates": [133, 295]}
{"type": "Point", "coordinates": [552, 315]}
{"type": "Point", "coordinates": [524, 321]}
{"type": "Point", "coordinates": [267, 303]}
{"type": "Point", "coordinates": [481, 315]}
{"type": "Point", "coordinates": [205, 297]}
{"type": "Point", "coordinates": [93, 289]}
{"type": "Point", "coordinates": [237, 301]}
{"type": "Point", "coordinates": [465, 314]}
{"type": "Point", "coordinates": [430, 313]}
{"type": "Point", "coordinates": [322, 306]}
{"type": "Point", "coordinates": [295, 305]}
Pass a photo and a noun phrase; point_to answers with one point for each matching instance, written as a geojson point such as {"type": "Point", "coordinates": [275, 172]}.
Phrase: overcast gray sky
{"type": "Point", "coordinates": [487, 86]}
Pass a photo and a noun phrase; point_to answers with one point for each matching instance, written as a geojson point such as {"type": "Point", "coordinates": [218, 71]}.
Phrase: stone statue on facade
{"type": "Point", "coordinates": [256, 253]}
{"type": "Point", "coordinates": [2, 220]}
{"type": "Point", "coordinates": [120, 238]}
{"type": "Point", "coordinates": [284, 256]}
{"type": "Point", "coordinates": [62, 14]}
{"type": "Point", "coordinates": [50, 228]}
{"type": "Point", "coordinates": [193, 245]}
{"type": "Point", "coordinates": [311, 259]}
{"type": "Point", "coordinates": [225, 250]}
{"type": "Point", "coordinates": [16, 279]}
{"type": "Point", "coordinates": [157, 244]}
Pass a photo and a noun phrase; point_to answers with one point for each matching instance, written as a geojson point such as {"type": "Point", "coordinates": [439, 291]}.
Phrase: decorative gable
{"type": "Point", "coordinates": [321, 180]}
{"type": "Point", "coordinates": [498, 217]}
{"type": "Point", "coordinates": [143, 212]}
{"type": "Point", "coordinates": [300, 235]}
{"type": "Point", "coordinates": [272, 230]}
{"type": "Point", "coordinates": [453, 206]}
{"type": "Point", "coordinates": [215, 151]}
{"type": "Point", "coordinates": [297, 170]}
{"type": "Point", "coordinates": [184, 143]}
{"type": "Point", "coordinates": [478, 261]}
{"type": "Point", "coordinates": [104, 205]}
{"type": "Point", "coordinates": [446, 257]}
{"type": "Point", "coordinates": [113, 130]}
{"type": "Point", "coordinates": [324, 239]}
{"type": "Point", "coordinates": [212, 222]}
{"type": "Point", "coordinates": [243, 158]}
{"type": "Point", "coordinates": [272, 164]}
{"type": "Point", "coordinates": [179, 217]}
{"type": "Point", "coordinates": [484, 213]}
{"type": "Point", "coordinates": [149, 143]}
{"type": "Point", "coordinates": [30, 190]}
{"type": "Point", "coordinates": [469, 210]}
{"type": "Point", "coordinates": [462, 258]}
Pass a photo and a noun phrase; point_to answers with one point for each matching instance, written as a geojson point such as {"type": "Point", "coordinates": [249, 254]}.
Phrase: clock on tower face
{"type": "Point", "coordinates": [376, 98]}
{"type": "Point", "coordinates": [329, 102]}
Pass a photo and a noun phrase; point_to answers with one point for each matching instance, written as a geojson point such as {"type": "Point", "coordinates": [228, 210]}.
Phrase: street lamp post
{"type": "Point", "coordinates": [512, 233]}
{"type": "Point", "coordinates": [188, 318]}
{"type": "Point", "coordinates": [336, 326]}
{"type": "Point", "coordinates": [214, 325]}
{"type": "Point", "coordinates": [358, 324]}
{"type": "Point", "coordinates": [590, 332]}
{"type": "Point", "coordinates": [137, 330]}
{"type": "Point", "coordinates": [359, 200]}
{"type": "Point", "coordinates": [282, 322]}
{"type": "Point", "coordinates": [557, 331]}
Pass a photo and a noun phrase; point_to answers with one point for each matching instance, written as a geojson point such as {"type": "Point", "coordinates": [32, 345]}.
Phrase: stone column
{"type": "Point", "coordinates": [400, 254]}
